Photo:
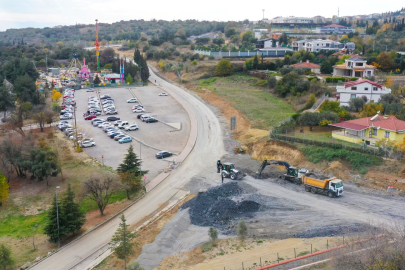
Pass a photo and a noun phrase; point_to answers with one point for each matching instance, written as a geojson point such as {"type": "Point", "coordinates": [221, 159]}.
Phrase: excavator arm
{"type": "Point", "coordinates": [271, 162]}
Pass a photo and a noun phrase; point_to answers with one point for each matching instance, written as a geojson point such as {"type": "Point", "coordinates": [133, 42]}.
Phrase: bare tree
{"type": "Point", "coordinates": [42, 115]}
{"type": "Point", "coordinates": [100, 190]}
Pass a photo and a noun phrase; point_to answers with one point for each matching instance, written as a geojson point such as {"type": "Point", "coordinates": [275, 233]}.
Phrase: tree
{"type": "Point", "coordinates": [43, 163]}
{"type": "Point", "coordinates": [129, 79]}
{"type": "Point", "coordinates": [356, 104]}
{"type": "Point", "coordinates": [107, 56]}
{"type": "Point", "coordinates": [97, 80]}
{"type": "Point", "coordinates": [42, 115]}
{"type": "Point", "coordinates": [56, 95]}
{"type": "Point", "coordinates": [310, 102]}
{"type": "Point", "coordinates": [134, 266]}
{"type": "Point", "coordinates": [7, 100]}
{"type": "Point", "coordinates": [332, 106]}
{"type": "Point", "coordinates": [242, 230]}
{"type": "Point", "coordinates": [272, 81]}
{"type": "Point", "coordinates": [255, 62]}
{"type": "Point", "coordinates": [385, 61]}
{"type": "Point", "coordinates": [224, 68]}
{"type": "Point", "coordinates": [131, 163]}
{"type": "Point", "coordinates": [4, 189]}
{"type": "Point", "coordinates": [121, 241]}
{"type": "Point", "coordinates": [213, 234]}
{"type": "Point", "coordinates": [230, 32]}
{"type": "Point", "coordinates": [178, 70]}
{"type": "Point", "coordinates": [371, 109]}
{"type": "Point", "coordinates": [51, 226]}
{"type": "Point", "coordinates": [326, 67]}
{"type": "Point", "coordinates": [26, 90]}
{"type": "Point", "coordinates": [6, 260]}
{"type": "Point", "coordinates": [74, 217]}
{"type": "Point", "coordinates": [100, 191]}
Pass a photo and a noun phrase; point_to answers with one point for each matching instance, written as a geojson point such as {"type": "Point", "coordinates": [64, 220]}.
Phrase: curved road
{"type": "Point", "coordinates": [207, 149]}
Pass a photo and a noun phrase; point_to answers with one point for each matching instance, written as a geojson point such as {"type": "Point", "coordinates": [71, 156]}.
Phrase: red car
{"type": "Point", "coordinates": [90, 117]}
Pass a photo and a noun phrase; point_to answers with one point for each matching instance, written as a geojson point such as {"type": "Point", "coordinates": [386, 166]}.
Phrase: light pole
{"type": "Point", "coordinates": [57, 213]}
{"type": "Point", "coordinates": [263, 14]}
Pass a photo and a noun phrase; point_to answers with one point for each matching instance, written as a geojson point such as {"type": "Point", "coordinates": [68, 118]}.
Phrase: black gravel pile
{"type": "Point", "coordinates": [218, 206]}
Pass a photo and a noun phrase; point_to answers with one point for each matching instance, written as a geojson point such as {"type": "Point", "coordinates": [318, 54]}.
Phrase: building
{"type": "Point", "coordinates": [211, 35]}
{"type": "Point", "coordinates": [354, 67]}
{"type": "Point", "coordinates": [113, 77]}
{"type": "Point", "coordinates": [350, 46]}
{"type": "Point", "coordinates": [369, 130]}
{"type": "Point", "coordinates": [260, 32]}
{"type": "Point", "coordinates": [362, 87]}
{"type": "Point", "coordinates": [292, 19]}
{"type": "Point", "coordinates": [307, 65]}
{"type": "Point", "coordinates": [317, 45]}
{"type": "Point", "coordinates": [267, 43]}
{"type": "Point", "coordinates": [334, 29]}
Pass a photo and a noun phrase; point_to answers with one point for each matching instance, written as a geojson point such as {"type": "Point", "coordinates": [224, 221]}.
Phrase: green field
{"type": "Point", "coordinates": [260, 107]}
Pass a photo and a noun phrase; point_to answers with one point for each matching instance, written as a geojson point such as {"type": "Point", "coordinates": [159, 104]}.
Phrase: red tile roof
{"type": "Point", "coordinates": [306, 65]}
{"type": "Point", "coordinates": [384, 122]}
{"type": "Point", "coordinates": [352, 83]}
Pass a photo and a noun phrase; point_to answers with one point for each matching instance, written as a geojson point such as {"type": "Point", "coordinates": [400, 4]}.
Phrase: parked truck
{"type": "Point", "coordinates": [332, 187]}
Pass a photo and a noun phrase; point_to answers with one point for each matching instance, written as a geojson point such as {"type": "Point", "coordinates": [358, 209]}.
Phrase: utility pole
{"type": "Point", "coordinates": [263, 14]}
{"type": "Point", "coordinates": [57, 213]}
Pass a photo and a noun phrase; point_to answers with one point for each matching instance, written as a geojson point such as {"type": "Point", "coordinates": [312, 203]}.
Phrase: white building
{"type": "Point", "coordinates": [292, 19]}
{"type": "Point", "coordinates": [362, 87]}
{"type": "Point", "coordinates": [334, 28]}
{"type": "Point", "coordinates": [354, 67]}
{"type": "Point", "coordinates": [317, 45]}
{"type": "Point", "coordinates": [260, 32]}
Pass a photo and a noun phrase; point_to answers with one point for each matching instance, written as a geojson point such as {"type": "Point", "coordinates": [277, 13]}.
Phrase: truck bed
{"type": "Point", "coordinates": [319, 183]}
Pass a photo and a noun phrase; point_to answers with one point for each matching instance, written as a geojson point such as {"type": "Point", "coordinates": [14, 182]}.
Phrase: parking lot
{"type": "Point", "coordinates": [157, 135]}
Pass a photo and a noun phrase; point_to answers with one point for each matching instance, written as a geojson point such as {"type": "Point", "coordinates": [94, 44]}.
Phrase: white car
{"type": "Point", "coordinates": [139, 110]}
{"type": "Point", "coordinates": [113, 111]}
{"type": "Point", "coordinates": [163, 94]}
{"type": "Point", "coordinates": [132, 100]}
{"type": "Point", "coordinates": [144, 117]}
{"type": "Point", "coordinates": [90, 90]}
{"type": "Point", "coordinates": [132, 127]}
{"type": "Point", "coordinates": [65, 116]}
{"type": "Point", "coordinates": [87, 143]}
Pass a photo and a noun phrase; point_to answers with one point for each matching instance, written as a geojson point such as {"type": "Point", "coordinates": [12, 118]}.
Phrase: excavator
{"type": "Point", "coordinates": [292, 174]}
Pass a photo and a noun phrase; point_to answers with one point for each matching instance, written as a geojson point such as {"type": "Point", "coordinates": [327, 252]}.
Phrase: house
{"type": "Point", "coordinates": [267, 43]}
{"type": "Point", "coordinates": [335, 29]}
{"type": "Point", "coordinates": [369, 130]}
{"type": "Point", "coordinates": [317, 45]}
{"type": "Point", "coordinates": [362, 87]}
{"type": "Point", "coordinates": [354, 67]}
{"type": "Point", "coordinates": [260, 32]}
{"type": "Point", "coordinates": [349, 46]}
{"type": "Point", "coordinates": [307, 65]}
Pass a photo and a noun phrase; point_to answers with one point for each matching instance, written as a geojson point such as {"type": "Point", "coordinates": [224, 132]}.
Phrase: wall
{"type": "Point", "coordinates": [230, 54]}
{"type": "Point", "coordinates": [345, 138]}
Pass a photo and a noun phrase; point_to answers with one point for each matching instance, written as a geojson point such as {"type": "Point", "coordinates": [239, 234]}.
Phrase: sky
{"type": "Point", "coordinates": [49, 13]}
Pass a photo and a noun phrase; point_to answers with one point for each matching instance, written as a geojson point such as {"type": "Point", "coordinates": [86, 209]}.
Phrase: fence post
{"type": "Point", "coordinates": [295, 253]}
{"type": "Point", "coordinates": [243, 268]}
{"type": "Point", "coordinates": [278, 258]}
{"type": "Point", "coordinates": [311, 248]}
{"type": "Point", "coordinates": [343, 239]}
{"type": "Point", "coordinates": [327, 243]}
{"type": "Point", "coordinates": [260, 261]}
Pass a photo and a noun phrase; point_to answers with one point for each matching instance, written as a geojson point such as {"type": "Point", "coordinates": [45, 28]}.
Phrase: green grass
{"type": "Point", "coordinates": [207, 247]}
{"type": "Point", "coordinates": [20, 226]}
{"type": "Point", "coordinates": [263, 109]}
{"type": "Point", "coordinates": [88, 205]}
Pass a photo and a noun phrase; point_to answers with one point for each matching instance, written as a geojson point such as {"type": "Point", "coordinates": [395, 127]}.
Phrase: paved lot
{"type": "Point", "coordinates": [157, 135]}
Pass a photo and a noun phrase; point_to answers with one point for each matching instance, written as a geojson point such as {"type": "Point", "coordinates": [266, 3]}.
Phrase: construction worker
{"type": "Point", "coordinates": [219, 166]}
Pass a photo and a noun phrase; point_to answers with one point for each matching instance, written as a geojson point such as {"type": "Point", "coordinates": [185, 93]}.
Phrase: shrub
{"type": "Point", "coordinates": [224, 68]}
{"type": "Point", "coordinates": [310, 102]}
{"type": "Point", "coordinates": [261, 83]}
{"type": "Point", "coordinates": [334, 79]}
{"type": "Point", "coordinates": [313, 78]}
{"type": "Point", "coordinates": [272, 81]}
{"type": "Point", "coordinates": [353, 79]}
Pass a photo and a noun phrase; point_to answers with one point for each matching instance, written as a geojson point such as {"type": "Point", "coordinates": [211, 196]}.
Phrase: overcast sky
{"type": "Point", "coordinates": [42, 13]}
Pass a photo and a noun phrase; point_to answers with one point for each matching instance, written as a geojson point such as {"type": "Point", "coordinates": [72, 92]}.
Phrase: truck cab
{"type": "Point", "coordinates": [336, 187]}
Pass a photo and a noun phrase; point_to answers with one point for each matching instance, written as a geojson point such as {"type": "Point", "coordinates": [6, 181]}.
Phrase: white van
{"type": "Point", "coordinates": [123, 124]}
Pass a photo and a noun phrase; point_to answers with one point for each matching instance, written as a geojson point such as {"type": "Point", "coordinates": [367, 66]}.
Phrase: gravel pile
{"type": "Point", "coordinates": [220, 205]}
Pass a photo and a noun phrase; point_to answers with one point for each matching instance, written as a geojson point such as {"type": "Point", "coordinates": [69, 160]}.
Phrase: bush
{"type": "Point", "coordinates": [353, 79]}
{"type": "Point", "coordinates": [261, 83]}
{"type": "Point", "coordinates": [313, 78]}
{"type": "Point", "coordinates": [272, 81]}
{"type": "Point", "coordinates": [357, 160]}
{"type": "Point", "coordinates": [224, 68]}
{"type": "Point", "coordinates": [310, 102]}
{"type": "Point", "coordinates": [335, 79]}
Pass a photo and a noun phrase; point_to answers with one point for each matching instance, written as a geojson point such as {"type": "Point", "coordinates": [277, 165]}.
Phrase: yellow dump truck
{"type": "Point", "coordinates": [332, 187]}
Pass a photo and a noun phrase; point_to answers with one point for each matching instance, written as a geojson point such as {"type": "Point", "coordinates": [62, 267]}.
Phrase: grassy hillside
{"type": "Point", "coordinates": [262, 108]}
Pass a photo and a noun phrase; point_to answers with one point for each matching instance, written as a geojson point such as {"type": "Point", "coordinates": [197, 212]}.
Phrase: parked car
{"type": "Point", "coordinates": [125, 139]}
{"type": "Point", "coordinates": [116, 123]}
{"type": "Point", "coordinates": [109, 112]}
{"type": "Point", "coordinates": [87, 143]}
{"type": "Point", "coordinates": [151, 120]}
{"type": "Point", "coordinates": [144, 117]}
{"type": "Point", "coordinates": [89, 117]}
{"type": "Point", "coordinates": [112, 118]}
{"type": "Point", "coordinates": [137, 107]}
{"type": "Point", "coordinates": [132, 127]}
{"type": "Point", "coordinates": [163, 94]}
{"type": "Point", "coordinates": [163, 154]}
{"type": "Point", "coordinates": [139, 116]}
{"type": "Point", "coordinates": [112, 136]}
{"type": "Point", "coordinates": [119, 137]}
{"type": "Point", "coordinates": [105, 96]}
{"type": "Point", "coordinates": [90, 90]}
{"type": "Point", "coordinates": [65, 116]}
{"type": "Point", "coordinates": [138, 110]}
{"type": "Point", "coordinates": [132, 100]}
{"type": "Point", "coordinates": [123, 124]}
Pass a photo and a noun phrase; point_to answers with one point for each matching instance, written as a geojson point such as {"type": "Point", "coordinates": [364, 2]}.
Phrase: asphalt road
{"type": "Point", "coordinates": [208, 148]}
{"type": "Point", "coordinates": [158, 135]}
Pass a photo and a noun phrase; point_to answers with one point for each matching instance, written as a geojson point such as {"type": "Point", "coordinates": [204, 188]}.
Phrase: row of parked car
{"type": "Point", "coordinates": [71, 133]}
{"type": "Point", "coordinates": [140, 109]}
{"type": "Point", "coordinates": [105, 102]}
{"type": "Point", "coordinates": [114, 129]}
{"type": "Point", "coordinates": [68, 104]}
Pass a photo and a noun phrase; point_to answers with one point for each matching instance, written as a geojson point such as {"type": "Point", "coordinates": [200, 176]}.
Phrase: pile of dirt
{"type": "Point", "coordinates": [220, 205]}
{"type": "Point", "coordinates": [274, 150]}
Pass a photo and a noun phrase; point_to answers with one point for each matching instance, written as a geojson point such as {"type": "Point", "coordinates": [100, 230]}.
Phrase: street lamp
{"type": "Point", "coordinates": [57, 213]}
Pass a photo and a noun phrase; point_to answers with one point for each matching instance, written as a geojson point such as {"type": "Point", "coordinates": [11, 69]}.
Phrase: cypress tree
{"type": "Point", "coordinates": [51, 227]}
{"type": "Point", "coordinates": [131, 163]}
{"type": "Point", "coordinates": [74, 217]}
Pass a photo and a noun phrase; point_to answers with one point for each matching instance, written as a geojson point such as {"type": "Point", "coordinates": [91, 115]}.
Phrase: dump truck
{"type": "Point", "coordinates": [332, 187]}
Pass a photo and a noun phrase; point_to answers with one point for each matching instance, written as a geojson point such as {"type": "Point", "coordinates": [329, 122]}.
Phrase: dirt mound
{"type": "Point", "coordinates": [220, 205]}
{"type": "Point", "coordinates": [273, 150]}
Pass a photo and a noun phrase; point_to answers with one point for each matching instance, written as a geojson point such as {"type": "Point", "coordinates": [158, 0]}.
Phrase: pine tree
{"type": "Point", "coordinates": [131, 163]}
{"type": "Point", "coordinates": [5, 257]}
{"type": "Point", "coordinates": [73, 216]}
{"type": "Point", "coordinates": [97, 80]}
{"type": "Point", "coordinates": [4, 188]}
{"type": "Point", "coordinates": [121, 241]}
{"type": "Point", "coordinates": [137, 56]}
{"type": "Point", "coordinates": [51, 226]}
{"type": "Point", "coordinates": [255, 62]}
{"type": "Point", "coordinates": [144, 69]}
